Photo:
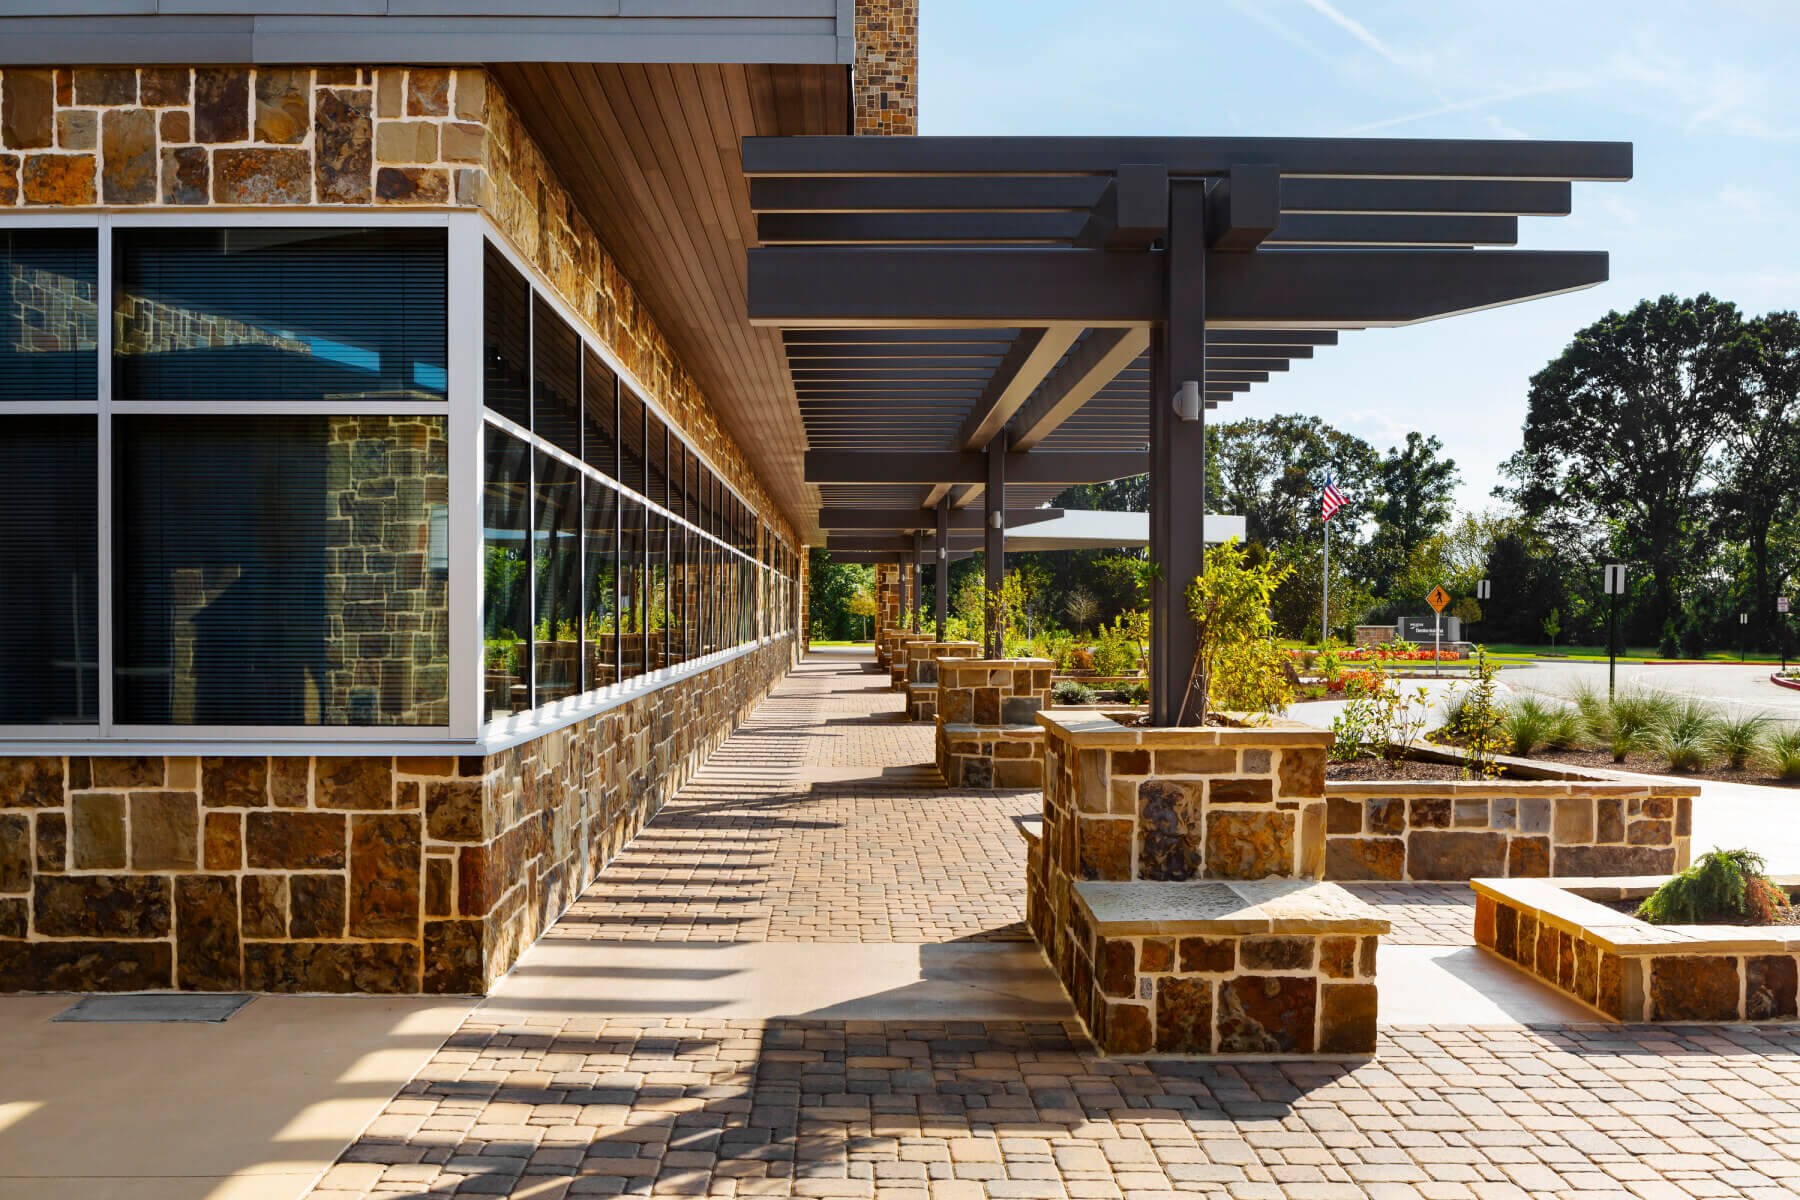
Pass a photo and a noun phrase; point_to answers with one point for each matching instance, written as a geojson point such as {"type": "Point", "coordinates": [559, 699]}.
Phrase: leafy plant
{"type": "Point", "coordinates": [1081, 608]}
{"type": "Point", "coordinates": [1116, 652]}
{"type": "Point", "coordinates": [1737, 736]}
{"type": "Point", "coordinates": [1553, 626]}
{"type": "Point", "coordinates": [1723, 886]}
{"type": "Point", "coordinates": [1379, 719]}
{"type": "Point", "coordinates": [1631, 721]}
{"type": "Point", "coordinates": [1781, 753]}
{"type": "Point", "coordinates": [1070, 691]}
{"type": "Point", "coordinates": [1480, 720]}
{"type": "Point", "coordinates": [1566, 728]}
{"type": "Point", "coordinates": [1135, 693]}
{"type": "Point", "coordinates": [1236, 653]}
{"type": "Point", "coordinates": [1527, 724]}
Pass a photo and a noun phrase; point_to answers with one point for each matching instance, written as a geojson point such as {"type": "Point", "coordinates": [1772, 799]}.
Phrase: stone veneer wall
{"type": "Point", "coordinates": [922, 675]}
{"type": "Point", "coordinates": [1637, 972]}
{"type": "Point", "coordinates": [335, 874]}
{"type": "Point", "coordinates": [987, 731]}
{"type": "Point", "coordinates": [900, 655]}
{"type": "Point", "coordinates": [1465, 830]}
{"type": "Point", "coordinates": [886, 87]}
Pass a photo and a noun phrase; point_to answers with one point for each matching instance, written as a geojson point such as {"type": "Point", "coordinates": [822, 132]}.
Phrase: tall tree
{"type": "Point", "coordinates": [1271, 470]}
{"type": "Point", "coordinates": [1760, 461]}
{"type": "Point", "coordinates": [1622, 426]}
{"type": "Point", "coordinates": [1417, 486]}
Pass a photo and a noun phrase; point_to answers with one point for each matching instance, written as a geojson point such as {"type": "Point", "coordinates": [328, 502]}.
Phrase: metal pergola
{"type": "Point", "coordinates": [1000, 318]}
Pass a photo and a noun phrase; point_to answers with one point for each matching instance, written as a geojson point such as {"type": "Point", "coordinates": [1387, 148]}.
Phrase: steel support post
{"type": "Point", "coordinates": [943, 566]}
{"type": "Point", "coordinates": [1177, 456]}
{"type": "Point", "coordinates": [994, 543]}
{"type": "Point", "coordinates": [918, 581]}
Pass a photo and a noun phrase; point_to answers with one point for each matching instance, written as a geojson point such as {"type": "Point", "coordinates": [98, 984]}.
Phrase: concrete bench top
{"type": "Point", "coordinates": [1030, 828]}
{"type": "Point", "coordinates": [1565, 904]}
{"type": "Point", "coordinates": [1233, 907]}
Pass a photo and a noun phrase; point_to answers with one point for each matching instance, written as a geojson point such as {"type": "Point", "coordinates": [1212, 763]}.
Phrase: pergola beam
{"type": "Point", "coordinates": [1091, 367]}
{"type": "Point", "coordinates": [966, 467]}
{"type": "Point", "coordinates": [1072, 228]}
{"type": "Point", "coordinates": [1032, 357]}
{"type": "Point", "coordinates": [1304, 288]}
{"type": "Point", "coordinates": [1356, 158]}
{"type": "Point", "coordinates": [902, 519]}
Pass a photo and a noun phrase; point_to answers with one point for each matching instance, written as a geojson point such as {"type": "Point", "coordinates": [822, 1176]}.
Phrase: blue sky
{"type": "Point", "coordinates": [1708, 92]}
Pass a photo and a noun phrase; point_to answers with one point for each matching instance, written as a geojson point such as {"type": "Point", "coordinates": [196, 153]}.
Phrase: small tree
{"type": "Point", "coordinates": [1553, 626]}
{"type": "Point", "coordinates": [1081, 608]}
{"type": "Point", "coordinates": [1235, 654]}
{"type": "Point", "coordinates": [862, 604]}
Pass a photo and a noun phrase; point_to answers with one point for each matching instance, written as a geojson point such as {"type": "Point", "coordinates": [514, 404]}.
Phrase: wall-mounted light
{"type": "Point", "coordinates": [995, 520]}
{"type": "Point", "coordinates": [943, 554]}
{"type": "Point", "coordinates": [1187, 400]}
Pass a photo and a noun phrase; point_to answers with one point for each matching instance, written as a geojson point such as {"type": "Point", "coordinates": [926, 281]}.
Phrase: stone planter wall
{"type": "Point", "coordinates": [1586, 825]}
{"type": "Point", "coordinates": [1633, 971]}
{"type": "Point", "coordinates": [335, 874]}
{"type": "Point", "coordinates": [1150, 812]}
{"type": "Point", "coordinates": [922, 675]}
{"type": "Point", "coordinates": [900, 654]}
{"type": "Point", "coordinates": [987, 709]}
{"type": "Point", "coordinates": [1274, 967]}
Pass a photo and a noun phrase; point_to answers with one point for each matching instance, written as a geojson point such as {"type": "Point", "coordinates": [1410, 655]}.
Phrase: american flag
{"type": "Point", "coordinates": [1332, 500]}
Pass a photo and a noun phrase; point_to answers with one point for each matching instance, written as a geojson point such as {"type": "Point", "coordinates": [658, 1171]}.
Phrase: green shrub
{"type": "Point", "coordinates": [1135, 693]}
{"type": "Point", "coordinates": [1526, 724]}
{"type": "Point", "coordinates": [1781, 753]}
{"type": "Point", "coordinates": [1070, 691]}
{"type": "Point", "coordinates": [1478, 717]}
{"type": "Point", "coordinates": [1566, 728]}
{"type": "Point", "coordinates": [1631, 720]}
{"type": "Point", "coordinates": [1723, 886]}
{"type": "Point", "coordinates": [1685, 734]}
{"type": "Point", "coordinates": [1591, 705]}
{"type": "Point", "coordinates": [1737, 736]}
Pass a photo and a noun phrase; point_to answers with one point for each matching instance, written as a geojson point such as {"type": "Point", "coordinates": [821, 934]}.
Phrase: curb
{"type": "Point", "coordinates": [1778, 681]}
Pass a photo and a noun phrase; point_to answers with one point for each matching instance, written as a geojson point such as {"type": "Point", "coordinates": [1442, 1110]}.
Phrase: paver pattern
{"type": "Point", "coordinates": [968, 1111]}
{"type": "Point", "coordinates": [758, 848]}
{"type": "Point", "coordinates": [813, 824]}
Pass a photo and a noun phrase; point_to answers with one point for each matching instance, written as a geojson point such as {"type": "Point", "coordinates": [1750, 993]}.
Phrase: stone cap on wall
{"type": "Point", "coordinates": [1530, 769]}
{"type": "Point", "coordinates": [1505, 787]}
{"type": "Point", "coordinates": [1003, 664]}
{"type": "Point", "coordinates": [1231, 907]}
{"type": "Point", "coordinates": [1565, 904]}
{"type": "Point", "coordinates": [1100, 727]}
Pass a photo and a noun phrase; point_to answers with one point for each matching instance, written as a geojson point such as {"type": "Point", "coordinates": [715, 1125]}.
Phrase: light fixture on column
{"type": "Point", "coordinates": [994, 519]}
{"type": "Point", "coordinates": [1187, 400]}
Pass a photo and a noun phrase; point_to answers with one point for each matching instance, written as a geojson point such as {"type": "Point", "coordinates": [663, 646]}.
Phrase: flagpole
{"type": "Point", "coordinates": [1325, 589]}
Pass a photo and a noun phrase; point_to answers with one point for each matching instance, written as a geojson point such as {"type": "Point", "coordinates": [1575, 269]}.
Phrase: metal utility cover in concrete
{"type": "Point", "coordinates": [155, 1008]}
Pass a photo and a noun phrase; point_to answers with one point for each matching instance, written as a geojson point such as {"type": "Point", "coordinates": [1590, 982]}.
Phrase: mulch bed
{"type": "Point", "coordinates": [1644, 763]}
{"type": "Point", "coordinates": [1630, 907]}
{"type": "Point", "coordinates": [1381, 769]}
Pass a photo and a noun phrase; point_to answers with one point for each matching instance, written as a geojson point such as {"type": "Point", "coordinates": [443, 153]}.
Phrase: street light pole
{"type": "Point", "coordinates": [1615, 587]}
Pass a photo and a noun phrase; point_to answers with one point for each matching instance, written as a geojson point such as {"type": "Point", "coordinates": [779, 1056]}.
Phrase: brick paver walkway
{"type": "Point", "coordinates": [814, 823]}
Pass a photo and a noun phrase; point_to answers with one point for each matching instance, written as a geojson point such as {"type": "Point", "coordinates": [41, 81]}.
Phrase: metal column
{"type": "Point", "coordinates": [942, 578]}
{"type": "Point", "coordinates": [994, 541]}
{"type": "Point", "coordinates": [1177, 454]}
{"type": "Point", "coordinates": [918, 581]}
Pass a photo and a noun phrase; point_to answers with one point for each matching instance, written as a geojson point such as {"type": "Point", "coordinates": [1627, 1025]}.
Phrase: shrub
{"type": "Point", "coordinates": [1723, 886]}
{"type": "Point", "coordinates": [1684, 735]}
{"type": "Point", "coordinates": [1480, 720]}
{"type": "Point", "coordinates": [1566, 727]}
{"type": "Point", "coordinates": [1737, 736]}
{"type": "Point", "coordinates": [1631, 720]}
{"type": "Point", "coordinates": [1781, 753]}
{"type": "Point", "coordinates": [1071, 692]}
{"type": "Point", "coordinates": [1591, 706]}
{"type": "Point", "coordinates": [1527, 724]}
{"type": "Point", "coordinates": [1117, 651]}
{"type": "Point", "coordinates": [1134, 693]}
{"type": "Point", "coordinates": [1380, 719]}
{"type": "Point", "coordinates": [1237, 662]}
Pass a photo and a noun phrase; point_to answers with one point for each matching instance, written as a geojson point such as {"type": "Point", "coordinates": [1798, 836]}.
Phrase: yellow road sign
{"type": "Point", "coordinates": [1438, 599]}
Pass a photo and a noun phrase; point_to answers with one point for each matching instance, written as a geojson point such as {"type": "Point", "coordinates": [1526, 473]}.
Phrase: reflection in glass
{"type": "Point", "coordinates": [602, 635]}
{"type": "Point", "coordinates": [506, 589]}
{"type": "Point", "coordinates": [556, 557]}
{"type": "Point", "coordinates": [506, 339]}
{"type": "Point", "coordinates": [277, 570]}
{"type": "Point", "coordinates": [50, 673]}
{"type": "Point", "coordinates": [633, 534]}
{"type": "Point", "coordinates": [657, 615]}
{"type": "Point", "coordinates": [599, 415]}
{"type": "Point", "coordinates": [279, 314]}
{"type": "Point", "coordinates": [656, 461]}
{"type": "Point", "coordinates": [555, 379]}
{"type": "Point", "coordinates": [49, 311]}
{"type": "Point", "coordinates": [631, 440]}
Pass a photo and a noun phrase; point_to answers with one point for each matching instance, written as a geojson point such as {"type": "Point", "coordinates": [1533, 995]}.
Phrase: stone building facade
{"type": "Point", "coordinates": [886, 93]}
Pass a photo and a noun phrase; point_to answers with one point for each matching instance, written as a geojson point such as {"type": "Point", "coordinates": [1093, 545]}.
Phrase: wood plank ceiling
{"type": "Point", "coordinates": [651, 155]}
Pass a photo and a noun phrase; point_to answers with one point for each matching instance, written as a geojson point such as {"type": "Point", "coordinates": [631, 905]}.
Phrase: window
{"type": "Point", "coordinates": [555, 379]}
{"type": "Point", "coordinates": [633, 536]}
{"type": "Point", "coordinates": [506, 339]}
{"type": "Point", "coordinates": [631, 440]}
{"type": "Point", "coordinates": [51, 672]}
{"type": "Point", "coordinates": [49, 308]}
{"type": "Point", "coordinates": [506, 588]}
{"type": "Point", "coordinates": [262, 314]}
{"type": "Point", "coordinates": [275, 570]}
{"type": "Point", "coordinates": [556, 560]}
{"type": "Point", "coordinates": [600, 524]}
{"type": "Point", "coordinates": [599, 415]}
{"type": "Point", "coordinates": [657, 462]}
{"type": "Point", "coordinates": [657, 617]}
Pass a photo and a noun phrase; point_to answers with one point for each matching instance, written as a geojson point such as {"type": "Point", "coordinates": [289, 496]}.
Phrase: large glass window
{"type": "Point", "coordinates": [506, 585]}
{"type": "Point", "coordinates": [631, 440]}
{"type": "Point", "coordinates": [657, 616]}
{"type": "Point", "coordinates": [600, 415]}
{"type": "Point", "coordinates": [276, 570]}
{"type": "Point", "coordinates": [279, 314]}
{"type": "Point", "coordinates": [601, 525]}
{"type": "Point", "coordinates": [556, 559]}
{"type": "Point", "coordinates": [506, 339]}
{"type": "Point", "coordinates": [656, 460]}
{"type": "Point", "coordinates": [555, 379]}
{"type": "Point", "coordinates": [633, 536]}
{"type": "Point", "coordinates": [49, 308]}
{"type": "Point", "coordinates": [51, 670]}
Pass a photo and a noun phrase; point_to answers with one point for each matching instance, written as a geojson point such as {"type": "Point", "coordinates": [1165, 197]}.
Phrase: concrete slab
{"type": "Point", "coordinates": [1465, 985]}
{"type": "Point", "coordinates": [254, 1108]}
{"type": "Point", "coordinates": [1000, 981]}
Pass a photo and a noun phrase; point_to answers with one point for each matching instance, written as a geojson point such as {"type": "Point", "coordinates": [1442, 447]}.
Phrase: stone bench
{"type": "Point", "coordinates": [987, 731]}
{"type": "Point", "coordinates": [1267, 967]}
{"type": "Point", "coordinates": [900, 652]}
{"type": "Point", "coordinates": [1562, 931]}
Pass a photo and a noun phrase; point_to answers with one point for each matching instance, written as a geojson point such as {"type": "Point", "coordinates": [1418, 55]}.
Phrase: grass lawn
{"type": "Point", "coordinates": [1647, 654]}
{"type": "Point", "coordinates": [825, 642]}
